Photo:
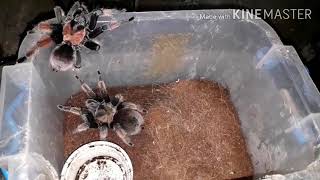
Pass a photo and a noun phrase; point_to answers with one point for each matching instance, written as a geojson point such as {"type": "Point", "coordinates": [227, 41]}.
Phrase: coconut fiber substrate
{"type": "Point", "coordinates": [191, 131]}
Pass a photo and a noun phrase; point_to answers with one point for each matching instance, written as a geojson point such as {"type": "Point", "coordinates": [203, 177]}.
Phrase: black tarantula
{"type": "Point", "coordinates": [105, 112]}
{"type": "Point", "coordinates": [69, 33]}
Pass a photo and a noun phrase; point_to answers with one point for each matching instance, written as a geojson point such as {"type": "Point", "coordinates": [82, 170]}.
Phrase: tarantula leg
{"type": "Point", "coordinates": [103, 132]}
{"type": "Point", "coordinates": [97, 31]}
{"type": "Point", "coordinates": [103, 92]}
{"type": "Point", "coordinates": [118, 99]}
{"type": "Point", "coordinates": [116, 24]}
{"type": "Point", "coordinates": [93, 21]}
{"type": "Point", "coordinates": [77, 63]}
{"type": "Point", "coordinates": [107, 27]}
{"type": "Point", "coordinates": [80, 128]}
{"type": "Point", "coordinates": [44, 27]}
{"type": "Point", "coordinates": [111, 12]}
{"type": "Point", "coordinates": [86, 88]}
{"type": "Point", "coordinates": [122, 134]}
{"type": "Point", "coordinates": [22, 59]}
{"type": "Point", "coordinates": [59, 13]}
{"type": "Point", "coordinates": [92, 45]}
{"type": "Point", "coordinates": [73, 9]}
{"type": "Point", "coordinates": [42, 43]}
{"type": "Point", "coordinates": [78, 111]}
{"type": "Point", "coordinates": [107, 12]}
{"type": "Point", "coordinates": [92, 105]}
{"type": "Point", "coordinates": [74, 110]}
{"type": "Point", "coordinates": [130, 105]}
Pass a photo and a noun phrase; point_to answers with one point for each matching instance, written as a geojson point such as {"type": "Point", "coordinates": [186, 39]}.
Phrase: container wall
{"type": "Point", "coordinates": [30, 128]}
{"type": "Point", "coordinates": [14, 109]}
{"type": "Point", "coordinates": [295, 132]}
{"type": "Point", "coordinates": [276, 100]}
{"type": "Point", "coordinates": [277, 104]}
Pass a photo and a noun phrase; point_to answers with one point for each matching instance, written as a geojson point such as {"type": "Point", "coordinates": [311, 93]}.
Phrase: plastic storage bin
{"type": "Point", "coordinates": [276, 100]}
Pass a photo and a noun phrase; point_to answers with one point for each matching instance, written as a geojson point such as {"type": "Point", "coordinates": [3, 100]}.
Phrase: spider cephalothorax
{"type": "Point", "coordinates": [107, 112]}
{"type": "Point", "coordinates": [69, 33]}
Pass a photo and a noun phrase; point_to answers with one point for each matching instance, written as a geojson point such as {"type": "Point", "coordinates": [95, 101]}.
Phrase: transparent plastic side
{"type": "Point", "coordinates": [292, 140]}
{"type": "Point", "coordinates": [45, 128]}
{"type": "Point", "coordinates": [277, 103]}
{"type": "Point", "coordinates": [310, 173]}
{"type": "Point", "coordinates": [14, 109]}
{"type": "Point", "coordinates": [29, 129]}
{"type": "Point", "coordinates": [31, 166]}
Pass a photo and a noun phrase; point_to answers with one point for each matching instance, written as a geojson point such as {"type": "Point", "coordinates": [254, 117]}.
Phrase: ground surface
{"type": "Point", "coordinates": [191, 132]}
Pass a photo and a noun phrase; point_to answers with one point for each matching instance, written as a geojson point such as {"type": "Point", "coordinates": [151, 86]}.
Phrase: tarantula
{"type": "Point", "coordinates": [105, 112]}
{"type": "Point", "coordinates": [69, 33]}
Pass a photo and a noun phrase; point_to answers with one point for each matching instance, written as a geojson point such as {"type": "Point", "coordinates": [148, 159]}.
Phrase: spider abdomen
{"type": "Point", "coordinates": [129, 120]}
{"type": "Point", "coordinates": [62, 57]}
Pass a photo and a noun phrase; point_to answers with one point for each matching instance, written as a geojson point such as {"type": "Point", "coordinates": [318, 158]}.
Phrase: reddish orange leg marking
{"type": "Point", "coordinates": [42, 43]}
{"type": "Point", "coordinates": [44, 27]}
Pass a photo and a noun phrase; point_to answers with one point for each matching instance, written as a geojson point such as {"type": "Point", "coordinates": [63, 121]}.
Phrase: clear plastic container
{"type": "Point", "coordinates": [277, 102]}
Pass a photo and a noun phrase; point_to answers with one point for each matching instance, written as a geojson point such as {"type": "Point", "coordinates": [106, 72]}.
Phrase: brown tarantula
{"type": "Point", "coordinates": [105, 112]}
{"type": "Point", "coordinates": [69, 33]}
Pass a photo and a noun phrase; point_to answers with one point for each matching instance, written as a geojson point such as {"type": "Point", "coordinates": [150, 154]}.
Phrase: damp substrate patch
{"type": "Point", "coordinates": [191, 131]}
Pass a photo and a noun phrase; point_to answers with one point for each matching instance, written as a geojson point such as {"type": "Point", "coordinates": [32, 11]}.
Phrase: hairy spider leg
{"type": "Point", "coordinates": [86, 88]}
{"type": "Point", "coordinates": [107, 12]}
{"type": "Point", "coordinates": [93, 21]}
{"type": "Point", "coordinates": [74, 110]}
{"type": "Point", "coordinates": [132, 106]}
{"type": "Point", "coordinates": [103, 92]}
{"type": "Point", "coordinates": [92, 45]}
{"type": "Point", "coordinates": [92, 105]}
{"type": "Point", "coordinates": [111, 12]}
{"type": "Point", "coordinates": [119, 100]}
{"type": "Point", "coordinates": [113, 24]}
{"type": "Point", "coordinates": [77, 63]}
{"type": "Point", "coordinates": [72, 10]}
{"type": "Point", "coordinates": [44, 27]}
{"type": "Point", "coordinates": [122, 134]}
{"type": "Point", "coordinates": [86, 116]}
{"type": "Point", "coordinates": [59, 13]}
{"type": "Point", "coordinates": [44, 42]}
{"type": "Point", "coordinates": [103, 132]}
{"type": "Point", "coordinates": [75, 9]}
